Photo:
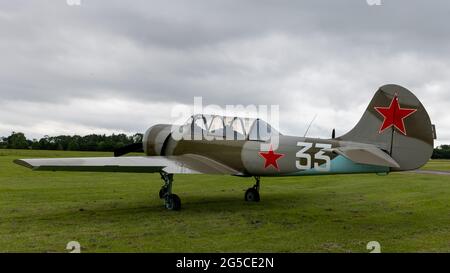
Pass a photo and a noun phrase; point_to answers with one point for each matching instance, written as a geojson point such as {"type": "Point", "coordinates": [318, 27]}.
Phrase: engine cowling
{"type": "Point", "coordinates": [154, 139]}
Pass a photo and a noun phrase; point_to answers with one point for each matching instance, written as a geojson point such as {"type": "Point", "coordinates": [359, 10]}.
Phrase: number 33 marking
{"type": "Point", "coordinates": [320, 155]}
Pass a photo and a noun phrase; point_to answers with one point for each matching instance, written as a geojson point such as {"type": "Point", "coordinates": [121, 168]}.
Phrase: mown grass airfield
{"type": "Point", "coordinates": [117, 212]}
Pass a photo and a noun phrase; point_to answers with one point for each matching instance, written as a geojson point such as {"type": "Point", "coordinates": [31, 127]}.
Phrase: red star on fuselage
{"type": "Point", "coordinates": [394, 115]}
{"type": "Point", "coordinates": [271, 158]}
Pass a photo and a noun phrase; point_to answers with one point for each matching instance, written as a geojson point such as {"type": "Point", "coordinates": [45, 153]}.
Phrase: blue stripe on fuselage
{"type": "Point", "coordinates": [341, 165]}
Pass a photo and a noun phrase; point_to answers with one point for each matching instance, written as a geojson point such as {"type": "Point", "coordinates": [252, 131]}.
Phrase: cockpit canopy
{"type": "Point", "coordinates": [231, 128]}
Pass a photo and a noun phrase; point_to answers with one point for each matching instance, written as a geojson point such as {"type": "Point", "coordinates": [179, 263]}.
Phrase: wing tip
{"type": "Point", "coordinates": [23, 163]}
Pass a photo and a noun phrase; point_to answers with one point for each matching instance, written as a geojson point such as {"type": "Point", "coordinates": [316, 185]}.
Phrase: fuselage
{"type": "Point", "coordinates": [288, 156]}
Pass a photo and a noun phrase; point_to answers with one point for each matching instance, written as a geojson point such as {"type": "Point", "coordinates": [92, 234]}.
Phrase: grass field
{"type": "Point", "coordinates": [438, 165]}
{"type": "Point", "coordinates": [113, 212]}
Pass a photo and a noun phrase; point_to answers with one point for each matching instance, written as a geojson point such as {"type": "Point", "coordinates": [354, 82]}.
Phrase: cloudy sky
{"type": "Point", "coordinates": [121, 66]}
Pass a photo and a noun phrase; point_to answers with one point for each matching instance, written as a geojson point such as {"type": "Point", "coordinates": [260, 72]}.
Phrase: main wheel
{"type": "Point", "coordinates": [252, 195]}
{"type": "Point", "coordinates": [162, 192]}
{"type": "Point", "coordinates": [173, 202]}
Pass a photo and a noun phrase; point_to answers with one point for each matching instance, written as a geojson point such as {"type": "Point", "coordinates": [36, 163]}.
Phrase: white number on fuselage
{"type": "Point", "coordinates": [319, 156]}
{"type": "Point", "coordinates": [302, 154]}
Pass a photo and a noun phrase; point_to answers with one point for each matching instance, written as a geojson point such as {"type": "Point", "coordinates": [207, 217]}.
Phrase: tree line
{"type": "Point", "coordinates": [93, 142]}
{"type": "Point", "coordinates": [441, 152]}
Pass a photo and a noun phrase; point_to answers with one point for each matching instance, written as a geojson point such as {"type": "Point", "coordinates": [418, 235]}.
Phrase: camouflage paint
{"type": "Point", "coordinates": [410, 151]}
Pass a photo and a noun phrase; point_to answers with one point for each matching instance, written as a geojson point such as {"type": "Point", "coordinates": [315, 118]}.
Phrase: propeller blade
{"type": "Point", "coordinates": [135, 147]}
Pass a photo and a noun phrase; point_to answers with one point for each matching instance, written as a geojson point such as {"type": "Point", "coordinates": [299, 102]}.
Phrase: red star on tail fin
{"type": "Point", "coordinates": [394, 115]}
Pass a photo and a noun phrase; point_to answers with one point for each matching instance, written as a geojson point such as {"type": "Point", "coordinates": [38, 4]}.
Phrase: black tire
{"type": "Point", "coordinates": [252, 195]}
{"type": "Point", "coordinates": [162, 192]}
{"type": "Point", "coordinates": [173, 202]}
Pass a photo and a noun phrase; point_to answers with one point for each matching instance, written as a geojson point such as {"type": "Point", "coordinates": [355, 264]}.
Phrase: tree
{"type": "Point", "coordinates": [3, 143]}
{"type": "Point", "coordinates": [17, 141]}
{"type": "Point", "coordinates": [73, 145]}
{"type": "Point", "coordinates": [441, 152]}
{"type": "Point", "coordinates": [35, 144]}
{"type": "Point", "coordinates": [91, 142]}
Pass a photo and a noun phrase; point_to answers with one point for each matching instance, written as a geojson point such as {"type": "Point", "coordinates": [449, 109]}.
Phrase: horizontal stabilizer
{"type": "Point", "coordinates": [369, 155]}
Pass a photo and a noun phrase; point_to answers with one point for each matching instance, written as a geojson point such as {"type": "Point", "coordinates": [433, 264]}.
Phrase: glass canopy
{"type": "Point", "coordinates": [231, 128]}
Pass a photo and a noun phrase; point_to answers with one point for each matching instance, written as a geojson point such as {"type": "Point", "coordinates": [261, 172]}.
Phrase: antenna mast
{"type": "Point", "coordinates": [309, 126]}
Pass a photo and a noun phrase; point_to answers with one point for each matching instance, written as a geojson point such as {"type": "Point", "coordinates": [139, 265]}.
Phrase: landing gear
{"type": "Point", "coordinates": [252, 194]}
{"type": "Point", "coordinates": [171, 201]}
{"type": "Point", "coordinates": [162, 192]}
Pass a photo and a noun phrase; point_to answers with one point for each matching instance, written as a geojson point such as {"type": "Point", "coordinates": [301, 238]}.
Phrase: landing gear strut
{"type": "Point", "coordinates": [252, 194]}
{"type": "Point", "coordinates": [171, 201]}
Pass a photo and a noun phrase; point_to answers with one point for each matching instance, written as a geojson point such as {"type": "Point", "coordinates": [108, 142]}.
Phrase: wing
{"type": "Point", "coordinates": [370, 155]}
{"type": "Point", "coordinates": [186, 164]}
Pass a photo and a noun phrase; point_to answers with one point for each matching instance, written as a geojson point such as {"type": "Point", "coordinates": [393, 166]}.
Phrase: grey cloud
{"type": "Point", "coordinates": [305, 56]}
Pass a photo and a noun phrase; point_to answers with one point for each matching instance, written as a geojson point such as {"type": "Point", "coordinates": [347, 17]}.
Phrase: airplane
{"type": "Point", "coordinates": [394, 134]}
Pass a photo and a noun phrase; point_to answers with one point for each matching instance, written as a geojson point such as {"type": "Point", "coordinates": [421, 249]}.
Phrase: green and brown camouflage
{"type": "Point", "coordinates": [365, 149]}
{"type": "Point", "coordinates": [394, 134]}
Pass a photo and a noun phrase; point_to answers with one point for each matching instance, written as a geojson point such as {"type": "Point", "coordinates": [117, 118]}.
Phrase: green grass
{"type": "Point", "coordinates": [437, 165]}
{"type": "Point", "coordinates": [113, 212]}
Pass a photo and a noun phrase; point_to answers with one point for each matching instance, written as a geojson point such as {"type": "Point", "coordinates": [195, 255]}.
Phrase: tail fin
{"type": "Point", "coordinates": [397, 123]}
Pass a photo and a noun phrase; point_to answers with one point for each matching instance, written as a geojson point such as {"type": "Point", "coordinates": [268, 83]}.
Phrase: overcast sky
{"type": "Point", "coordinates": [121, 66]}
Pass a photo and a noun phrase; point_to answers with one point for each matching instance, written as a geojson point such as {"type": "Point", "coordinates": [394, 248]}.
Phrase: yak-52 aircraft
{"type": "Point", "coordinates": [394, 134]}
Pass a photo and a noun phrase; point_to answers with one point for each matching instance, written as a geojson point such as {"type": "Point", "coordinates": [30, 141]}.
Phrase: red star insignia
{"type": "Point", "coordinates": [271, 158]}
{"type": "Point", "coordinates": [394, 115]}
